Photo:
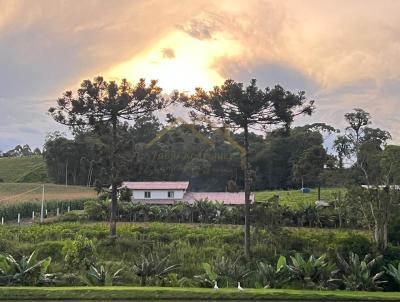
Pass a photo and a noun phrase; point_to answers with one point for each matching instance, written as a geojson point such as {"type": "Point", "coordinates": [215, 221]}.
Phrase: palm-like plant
{"type": "Point", "coordinates": [100, 276]}
{"type": "Point", "coordinates": [359, 274]}
{"type": "Point", "coordinates": [152, 266]}
{"type": "Point", "coordinates": [313, 272]}
{"type": "Point", "coordinates": [230, 271]}
{"type": "Point", "coordinates": [272, 276]}
{"type": "Point", "coordinates": [26, 271]}
{"type": "Point", "coordinates": [393, 272]}
{"type": "Point", "coordinates": [208, 277]}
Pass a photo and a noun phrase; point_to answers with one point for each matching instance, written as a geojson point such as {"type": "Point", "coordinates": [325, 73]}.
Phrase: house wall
{"type": "Point", "coordinates": [157, 194]}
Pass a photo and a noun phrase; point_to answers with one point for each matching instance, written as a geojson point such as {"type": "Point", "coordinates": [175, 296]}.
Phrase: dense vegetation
{"type": "Point", "coordinates": [180, 255]}
{"type": "Point", "coordinates": [348, 239]}
{"type": "Point", "coordinates": [209, 162]}
{"type": "Point", "coordinates": [187, 250]}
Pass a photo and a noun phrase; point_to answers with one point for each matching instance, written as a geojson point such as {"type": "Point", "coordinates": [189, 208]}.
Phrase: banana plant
{"type": "Point", "coordinates": [313, 272]}
{"type": "Point", "coordinates": [272, 276]}
{"type": "Point", "coordinates": [26, 271]}
{"type": "Point", "coordinates": [152, 266]}
{"type": "Point", "coordinates": [100, 276]}
{"type": "Point", "coordinates": [359, 274]}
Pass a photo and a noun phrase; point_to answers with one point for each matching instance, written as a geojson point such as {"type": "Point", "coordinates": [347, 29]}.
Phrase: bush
{"type": "Point", "coordinates": [54, 249]}
{"type": "Point", "coordinates": [80, 253]}
{"type": "Point", "coordinates": [97, 209]}
{"type": "Point", "coordinates": [355, 243]}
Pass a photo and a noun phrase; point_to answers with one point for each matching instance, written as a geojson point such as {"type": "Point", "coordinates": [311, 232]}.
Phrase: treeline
{"type": "Point", "coordinates": [20, 151]}
{"type": "Point", "coordinates": [209, 158]}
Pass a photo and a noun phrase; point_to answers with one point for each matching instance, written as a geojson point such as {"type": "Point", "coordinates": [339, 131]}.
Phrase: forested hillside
{"type": "Point", "coordinates": [209, 158]}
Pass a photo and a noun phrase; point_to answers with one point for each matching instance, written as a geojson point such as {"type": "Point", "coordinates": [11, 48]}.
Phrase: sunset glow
{"type": "Point", "coordinates": [344, 54]}
{"type": "Point", "coordinates": [179, 62]}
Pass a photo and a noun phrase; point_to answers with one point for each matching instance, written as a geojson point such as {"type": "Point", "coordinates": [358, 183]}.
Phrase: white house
{"type": "Point", "coordinates": [171, 192]}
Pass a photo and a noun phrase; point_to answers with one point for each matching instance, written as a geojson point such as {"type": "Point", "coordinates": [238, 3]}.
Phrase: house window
{"type": "Point", "coordinates": [170, 194]}
{"type": "Point", "coordinates": [147, 194]}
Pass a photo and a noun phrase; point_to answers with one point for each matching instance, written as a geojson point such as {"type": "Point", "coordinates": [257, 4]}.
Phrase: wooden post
{"type": "Point", "coordinates": [2, 220]}
{"type": "Point", "coordinates": [42, 208]}
{"type": "Point", "coordinates": [33, 215]}
{"type": "Point", "coordinates": [19, 218]}
{"type": "Point", "coordinates": [69, 209]}
{"type": "Point", "coordinates": [58, 211]}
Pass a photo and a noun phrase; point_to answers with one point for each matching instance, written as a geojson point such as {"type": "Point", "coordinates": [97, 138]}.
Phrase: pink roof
{"type": "Point", "coordinates": [225, 197]}
{"type": "Point", "coordinates": [156, 185]}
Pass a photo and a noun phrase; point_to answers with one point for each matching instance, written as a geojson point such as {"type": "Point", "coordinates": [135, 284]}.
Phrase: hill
{"type": "Point", "coordinates": [23, 169]}
{"type": "Point", "coordinates": [24, 192]}
{"type": "Point", "coordinates": [295, 198]}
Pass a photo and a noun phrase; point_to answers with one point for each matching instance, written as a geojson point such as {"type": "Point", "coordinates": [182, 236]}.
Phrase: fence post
{"type": "Point", "coordinates": [69, 209]}
{"type": "Point", "coordinates": [33, 215]}
{"type": "Point", "coordinates": [2, 220]}
{"type": "Point", "coordinates": [19, 218]}
{"type": "Point", "coordinates": [58, 211]}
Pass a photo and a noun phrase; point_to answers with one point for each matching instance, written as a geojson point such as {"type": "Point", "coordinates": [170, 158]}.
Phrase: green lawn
{"type": "Point", "coordinates": [26, 192]}
{"type": "Point", "coordinates": [23, 169]}
{"type": "Point", "coordinates": [164, 293]}
{"type": "Point", "coordinates": [295, 198]}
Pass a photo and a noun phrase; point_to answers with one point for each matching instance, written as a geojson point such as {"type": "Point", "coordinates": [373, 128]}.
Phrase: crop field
{"type": "Point", "coordinates": [23, 169]}
{"type": "Point", "coordinates": [297, 199]}
{"type": "Point", "coordinates": [24, 192]}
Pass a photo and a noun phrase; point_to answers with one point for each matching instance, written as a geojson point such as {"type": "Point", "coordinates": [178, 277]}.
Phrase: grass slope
{"type": "Point", "coordinates": [13, 192]}
{"type": "Point", "coordinates": [168, 293]}
{"type": "Point", "coordinates": [295, 198]}
{"type": "Point", "coordinates": [23, 169]}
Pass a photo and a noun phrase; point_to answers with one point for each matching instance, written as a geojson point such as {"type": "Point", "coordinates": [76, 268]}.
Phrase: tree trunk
{"type": "Point", "coordinates": [381, 235]}
{"type": "Point", "coordinates": [247, 251]}
{"type": "Point", "coordinates": [114, 200]}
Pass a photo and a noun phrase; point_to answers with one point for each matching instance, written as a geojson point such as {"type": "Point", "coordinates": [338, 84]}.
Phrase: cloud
{"type": "Point", "coordinates": [168, 53]}
{"type": "Point", "coordinates": [203, 26]}
{"type": "Point", "coordinates": [345, 54]}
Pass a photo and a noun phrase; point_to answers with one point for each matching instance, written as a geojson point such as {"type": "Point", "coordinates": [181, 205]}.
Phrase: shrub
{"type": "Point", "coordinates": [54, 249]}
{"type": "Point", "coordinates": [80, 253]}
{"type": "Point", "coordinates": [354, 244]}
{"type": "Point", "coordinates": [97, 209]}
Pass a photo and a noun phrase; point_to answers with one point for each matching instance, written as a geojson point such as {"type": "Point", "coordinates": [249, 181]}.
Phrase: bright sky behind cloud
{"type": "Point", "coordinates": [344, 54]}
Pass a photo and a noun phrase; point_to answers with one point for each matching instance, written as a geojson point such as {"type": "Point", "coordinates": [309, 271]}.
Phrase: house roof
{"type": "Point", "coordinates": [225, 197]}
{"type": "Point", "coordinates": [156, 185]}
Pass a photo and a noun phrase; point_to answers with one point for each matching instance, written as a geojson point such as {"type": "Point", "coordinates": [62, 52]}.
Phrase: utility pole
{"type": "Point", "coordinates": [66, 174]}
{"type": "Point", "coordinates": [42, 208]}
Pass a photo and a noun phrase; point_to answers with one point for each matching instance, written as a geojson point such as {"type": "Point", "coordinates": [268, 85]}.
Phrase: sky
{"type": "Point", "coordinates": [343, 54]}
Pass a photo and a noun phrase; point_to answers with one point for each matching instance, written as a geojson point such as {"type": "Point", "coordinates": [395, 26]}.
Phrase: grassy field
{"type": "Point", "coordinates": [169, 293]}
{"type": "Point", "coordinates": [23, 169]}
{"type": "Point", "coordinates": [23, 192]}
{"type": "Point", "coordinates": [295, 198]}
